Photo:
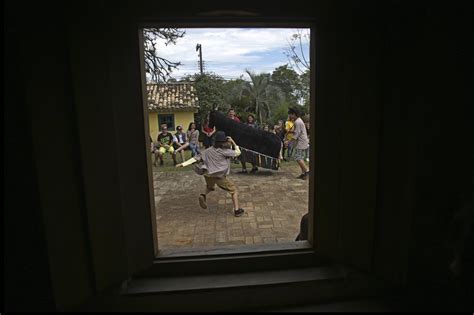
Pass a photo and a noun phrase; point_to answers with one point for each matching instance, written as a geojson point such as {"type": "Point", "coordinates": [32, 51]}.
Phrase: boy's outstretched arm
{"type": "Point", "coordinates": [186, 163]}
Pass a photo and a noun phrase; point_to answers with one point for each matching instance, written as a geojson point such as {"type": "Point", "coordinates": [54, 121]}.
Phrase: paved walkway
{"type": "Point", "coordinates": [274, 202]}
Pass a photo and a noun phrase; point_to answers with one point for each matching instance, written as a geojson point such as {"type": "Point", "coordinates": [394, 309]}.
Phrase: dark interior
{"type": "Point", "coordinates": [394, 81]}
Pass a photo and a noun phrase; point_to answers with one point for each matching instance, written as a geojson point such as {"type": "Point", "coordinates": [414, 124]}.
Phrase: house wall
{"type": "Point", "coordinates": [153, 125]}
{"type": "Point", "coordinates": [180, 119]}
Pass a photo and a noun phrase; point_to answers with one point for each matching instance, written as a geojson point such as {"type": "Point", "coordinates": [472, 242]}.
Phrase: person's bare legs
{"type": "Point", "coordinates": [302, 165]}
{"type": "Point", "coordinates": [181, 149]}
{"type": "Point", "coordinates": [173, 156]}
{"type": "Point", "coordinates": [160, 156]}
{"type": "Point", "coordinates": [157, 155]}
{"type": "Point", "coordinates": [235, 200]}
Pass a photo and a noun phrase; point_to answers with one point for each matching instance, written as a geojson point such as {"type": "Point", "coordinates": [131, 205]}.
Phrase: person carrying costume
{"type": "Point", "coordinates": [248, 156]}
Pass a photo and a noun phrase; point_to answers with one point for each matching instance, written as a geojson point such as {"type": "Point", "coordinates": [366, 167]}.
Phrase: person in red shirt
{"type": "Point", "coordinates": [248, 156]}
{"type": "Point", "coordinates": [231, 115]}
{"type": "Point", "coordinates": [208, 133]}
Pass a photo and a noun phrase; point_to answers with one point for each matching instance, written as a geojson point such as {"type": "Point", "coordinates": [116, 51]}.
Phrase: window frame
{"type": "Point", "coordinates": [275, 255]}
{"type": "Point", "coordinates": [114, 81]}
{"type": "Point", "coordinates": [173, 128]}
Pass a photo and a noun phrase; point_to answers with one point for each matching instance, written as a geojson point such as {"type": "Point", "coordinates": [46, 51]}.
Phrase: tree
{"type": "Point", "coordinates": [159, 68]}
{"type": "Point", "coordinates": [295, 52]}
{"type": "Point", "coordinates": [234, 97]}
{"type": "Point", "coordinates": [263, 95]}
{"type": "Point", "coordinates": [304, 92]}
{"type": "Point", "coordinates": [210, 89]}
{"type": "Point", "coordinates": [280, 113]}
{"type": "Point", "coordinates": [289, 82]}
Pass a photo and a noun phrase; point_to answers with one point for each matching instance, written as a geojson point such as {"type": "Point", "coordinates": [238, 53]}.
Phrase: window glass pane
{"type": "Point", "coordinates": [168, 120]}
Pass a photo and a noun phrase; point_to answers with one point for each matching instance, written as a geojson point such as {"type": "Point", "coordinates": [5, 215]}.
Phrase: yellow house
{"type": "Point", "coordinates": [174, 104]}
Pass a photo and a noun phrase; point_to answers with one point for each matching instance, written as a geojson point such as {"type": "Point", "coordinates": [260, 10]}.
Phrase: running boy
{"type": "Point", "coordinates": [215, 166]}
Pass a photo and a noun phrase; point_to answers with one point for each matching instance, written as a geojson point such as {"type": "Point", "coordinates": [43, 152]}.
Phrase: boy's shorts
{"type": "Point", "coordinates": [299, 154]}
{"type": "Point", "coordinates": [163, 150]}
{"type": "Point", "coordinates": [221, 182]}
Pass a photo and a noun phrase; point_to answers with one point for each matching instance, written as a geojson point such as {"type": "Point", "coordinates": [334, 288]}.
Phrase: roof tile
{"type": "Point", "coordinates": [172, 96]}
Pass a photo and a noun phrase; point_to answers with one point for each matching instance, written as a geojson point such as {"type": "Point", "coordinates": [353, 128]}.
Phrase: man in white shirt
{"type": "Point", "coordinates": [180, 142]}
{"type": "Point", "coordinates": [300, 142]}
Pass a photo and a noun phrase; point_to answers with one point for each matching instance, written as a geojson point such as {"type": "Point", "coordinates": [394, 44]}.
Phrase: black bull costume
{"type": "Point", "coordinates": [258, 146]}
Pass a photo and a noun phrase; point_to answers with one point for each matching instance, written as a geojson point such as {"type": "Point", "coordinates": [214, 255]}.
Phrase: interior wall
{"type": "Point", "coordinates": [47, 256]}
{"type": "Point", "coordinates": [425, 161]}
{"type": "Point", "coordinates": [27, 282]}
{"type": "Point", "coordinates": [425, 174]}
{"type": "Point", "coordinates": [443, 96]}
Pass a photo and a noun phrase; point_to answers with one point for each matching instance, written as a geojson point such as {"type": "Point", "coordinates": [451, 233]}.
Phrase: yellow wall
{"type": "Point", "coordinates": [180, 119]}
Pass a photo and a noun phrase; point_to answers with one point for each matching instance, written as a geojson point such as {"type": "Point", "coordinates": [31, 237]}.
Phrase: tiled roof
{"type": "Point", "coordinates": [172, 97]}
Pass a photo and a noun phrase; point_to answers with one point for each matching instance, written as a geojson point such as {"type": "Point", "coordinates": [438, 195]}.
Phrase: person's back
{"type": "Point", "coordinates": [217, 161]}
{"type": "Point", "coordinates": [215, 166]}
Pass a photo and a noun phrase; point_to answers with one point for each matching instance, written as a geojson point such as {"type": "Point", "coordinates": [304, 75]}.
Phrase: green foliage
{"type": "Point", "coordinates": [234, 97]}
{"type": "Point", "coordinates": [304, 89]}
{"type": "Point", "coordinates": [280, 113]}
{"type": "Point", "coordinates": [267, 96]}
{"type": "Point", "coordinates": [288, 81]}
{"type": "Point", "coordinates": [211, 91]}
{"type": "Point", "coordinates": [264, 96]}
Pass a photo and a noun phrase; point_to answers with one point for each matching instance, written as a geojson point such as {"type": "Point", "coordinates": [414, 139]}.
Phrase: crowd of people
{"type": "Point", "coordinates": [293, 133]}
{"type": "Point", "coordinates": [214, 162]}
{"type": "Point", "coordinates": [173, 144]}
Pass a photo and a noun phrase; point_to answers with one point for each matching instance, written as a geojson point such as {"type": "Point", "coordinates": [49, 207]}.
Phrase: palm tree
{"type": "Point", "coordinates": [263, 94]}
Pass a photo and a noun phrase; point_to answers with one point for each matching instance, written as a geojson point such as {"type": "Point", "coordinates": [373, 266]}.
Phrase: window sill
{"type": "Point", "coordinates": [245, 291]}
{"type": "Point", "coordinates": [233, 259]}
{"type": "Point", "coordinates": [143, 286]}
{"type": "Point", "coordinates": [206, 252]}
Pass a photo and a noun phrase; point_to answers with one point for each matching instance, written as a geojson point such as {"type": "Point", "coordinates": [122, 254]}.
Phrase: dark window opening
{"type": "Point", "coordinates": [167, 119]}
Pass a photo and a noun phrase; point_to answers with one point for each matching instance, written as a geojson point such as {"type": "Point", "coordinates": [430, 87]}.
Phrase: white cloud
{"type": "Point", "coordinates": [228, 52]}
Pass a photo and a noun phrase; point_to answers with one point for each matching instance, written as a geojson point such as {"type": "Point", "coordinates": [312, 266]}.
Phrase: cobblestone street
{"type": "Point", "coordinates": [274, 202]}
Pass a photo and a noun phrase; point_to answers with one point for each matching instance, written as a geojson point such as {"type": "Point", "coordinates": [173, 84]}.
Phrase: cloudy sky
{"type": "Point", "coordinates": [229, 51]}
